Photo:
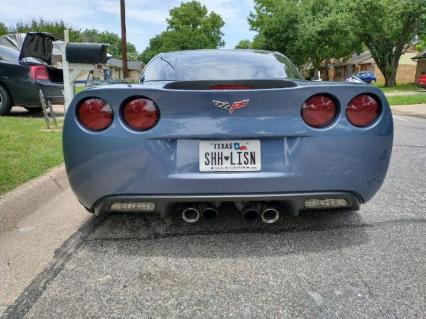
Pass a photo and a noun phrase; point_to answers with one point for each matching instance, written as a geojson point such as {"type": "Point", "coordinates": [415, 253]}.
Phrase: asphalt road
{"type": "Point", "coordinates": [365, 264]}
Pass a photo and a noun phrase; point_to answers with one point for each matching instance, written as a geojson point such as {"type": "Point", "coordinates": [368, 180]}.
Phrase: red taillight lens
{"type": "Point", "coordinates": [319, 110]}
{"type": "Point", "coordinates": [363, 110]}
{"type": "Point", "coordinates": [230, 87]}
{"type": "Point", "coordinates": [95, 114]}
{"type": "Point", "coordinates": [39, 72]}
{"type": "Point", "coordinates": [141, 114]}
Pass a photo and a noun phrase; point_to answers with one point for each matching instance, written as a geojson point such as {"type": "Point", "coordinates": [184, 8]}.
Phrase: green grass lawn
{"type": "Point", "coordinates": [26, 151]}
{"type": "Point", "coordinates": [407, 99]}
{"type": "Point", "coordinates": [398, 87]}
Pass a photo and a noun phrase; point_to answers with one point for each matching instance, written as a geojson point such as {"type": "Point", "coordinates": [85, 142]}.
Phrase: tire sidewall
{"type": "Point", "coordinates": [5, 102]}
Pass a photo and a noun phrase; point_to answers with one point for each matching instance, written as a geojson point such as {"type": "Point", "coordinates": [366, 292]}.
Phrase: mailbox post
{"type": "Point", "coordinates": [78, 58]}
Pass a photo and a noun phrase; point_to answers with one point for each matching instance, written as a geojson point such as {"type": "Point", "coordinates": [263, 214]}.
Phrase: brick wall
{"type": "Point", "coordinates": [406, 74]}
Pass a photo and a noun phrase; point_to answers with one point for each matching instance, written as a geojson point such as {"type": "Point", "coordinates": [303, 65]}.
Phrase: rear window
{"type": "Point", "coordinates": [220, 65]}
{"type": "Point", "coordinates": [9, 55]}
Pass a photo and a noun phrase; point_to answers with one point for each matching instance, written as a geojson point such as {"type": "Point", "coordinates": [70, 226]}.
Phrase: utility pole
{"type": "Point", "coordinates": [123, 38]}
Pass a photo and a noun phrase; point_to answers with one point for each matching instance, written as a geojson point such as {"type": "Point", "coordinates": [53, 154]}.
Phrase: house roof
{"type": "Point", "coordinates": [420, 56]}
{"type": "Point", "coordinates": [131, 65]}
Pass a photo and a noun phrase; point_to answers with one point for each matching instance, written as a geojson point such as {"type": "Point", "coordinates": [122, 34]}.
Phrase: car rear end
{"type": "Point", "coordinates": [150, 147]}
{"type": "Point", "coordinates": [49, 80]}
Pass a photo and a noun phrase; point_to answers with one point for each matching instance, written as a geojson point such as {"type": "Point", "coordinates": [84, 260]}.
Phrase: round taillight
{"type": "Point", "coordinates": [140, 113]}
{"type": "Point", "coordinates": [319, 111]}
{"type": "Point", "coordinates": [95, 114]}
{"type": "Point", "coordinates": [363, 110]}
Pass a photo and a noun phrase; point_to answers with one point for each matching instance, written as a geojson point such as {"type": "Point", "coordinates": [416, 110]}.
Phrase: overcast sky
{"type": "Point", "coordinates": [145, 18]}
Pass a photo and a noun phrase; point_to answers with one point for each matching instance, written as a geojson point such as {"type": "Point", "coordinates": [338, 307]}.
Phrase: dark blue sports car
{"type": "Point", "coordinates": [367, 76]}
{"type": "Point", "coordinates": [207, 127]}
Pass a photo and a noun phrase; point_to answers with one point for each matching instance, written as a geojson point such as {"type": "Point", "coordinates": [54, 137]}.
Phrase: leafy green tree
{"type": "Point", "coordinates": [277, 23]}
{"type": "Point", "coordinates": [306, 31]}
{"type": "Point", "coordinates": [244, 44]}
{"type": "Point", "coordinates": [3, 29]}
{"type": "Point", "coordinates": [387, 27]}
{"type": "Point", "coordinates": [189, 26]}
{"type": "Point", "coordinates": [422, 45]}
{"type": "Point", "coordinates": [55, 27]}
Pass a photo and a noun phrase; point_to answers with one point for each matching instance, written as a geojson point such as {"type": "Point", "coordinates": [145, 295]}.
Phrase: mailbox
{"type": "Point", "coordinates": [87, 53]}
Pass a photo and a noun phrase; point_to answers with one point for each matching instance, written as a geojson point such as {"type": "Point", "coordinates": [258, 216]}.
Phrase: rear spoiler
{"type": "Point", "coordinates": [248, 84]}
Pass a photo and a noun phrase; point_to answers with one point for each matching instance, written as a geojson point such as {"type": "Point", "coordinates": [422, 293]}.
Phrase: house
{"type": "Point", "coordinates": [340, 69]}
{"type": "Point", "coordinates": [421, 63]}
{"type": "Point", "coordinates": [116, 66]}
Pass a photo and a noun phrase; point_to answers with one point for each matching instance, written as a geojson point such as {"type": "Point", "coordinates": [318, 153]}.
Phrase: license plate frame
{"type": "Point", "coordinates": [229, 156]}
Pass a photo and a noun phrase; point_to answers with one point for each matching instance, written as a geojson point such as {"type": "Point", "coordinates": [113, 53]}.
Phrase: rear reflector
{"type": "Point", "coordinates": [39, 72]}
{"type": "Point", "coordinates": [326, 203]}
{"type": "Point", "coordinates": [140, 113]}
{"type": "Point", "coordinates": [319, 111]}
{"type": "Point", "coordinates": [95, 114]}
{"type": "Point", "coordinates": [363, 110]}
{"type": "Point", "coordinates": [230, 87]}
{"type": "Point", "coordinates": [133, 207]}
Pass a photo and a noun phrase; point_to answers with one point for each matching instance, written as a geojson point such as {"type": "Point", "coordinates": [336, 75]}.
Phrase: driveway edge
{"type": "Point", "coordinates": [26, 198]}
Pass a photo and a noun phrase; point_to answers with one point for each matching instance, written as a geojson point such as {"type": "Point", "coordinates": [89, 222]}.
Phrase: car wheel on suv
{"type": "Point", "coordinates": [5, 101]}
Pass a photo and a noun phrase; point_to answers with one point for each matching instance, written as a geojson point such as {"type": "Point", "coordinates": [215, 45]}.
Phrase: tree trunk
{"type": "Point", "coordinates": [390, 81]}
{"type": "Point", "coordinates": [389, 72]}
{"type": "Point", "coordinates": [326, 70]}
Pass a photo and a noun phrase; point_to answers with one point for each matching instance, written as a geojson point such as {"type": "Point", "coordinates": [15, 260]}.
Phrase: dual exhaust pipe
{"type": "Point", "coordinates": [251, 212]}
{"type": "Point", "coordinates": [268, 214]}
{"type": "Point", "coordinates": [193, 214]}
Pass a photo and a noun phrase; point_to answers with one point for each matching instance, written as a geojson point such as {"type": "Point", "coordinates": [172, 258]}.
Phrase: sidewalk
{"type": "Point", "coordinates": [417, 110]}
{"type": "Point", "coordinates": [35, 220]}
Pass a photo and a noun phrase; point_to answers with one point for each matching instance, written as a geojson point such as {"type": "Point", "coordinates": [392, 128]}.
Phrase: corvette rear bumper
{"type": "Point", "coordinates": [292, 203]}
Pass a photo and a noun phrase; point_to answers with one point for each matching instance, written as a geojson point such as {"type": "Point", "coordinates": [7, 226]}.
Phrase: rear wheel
{"type": "Point", "coordinates": [5, 101]}
{"type": "Point", "coordinates": [34, 109]}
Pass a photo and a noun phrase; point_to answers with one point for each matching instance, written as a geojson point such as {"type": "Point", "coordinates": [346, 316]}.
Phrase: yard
{"type": "Point", "coordinates": [26, 150]}
{"type": "Point", "coordinates": [404, 87]}
{"type": "Point", "coordinates": [407, 99]}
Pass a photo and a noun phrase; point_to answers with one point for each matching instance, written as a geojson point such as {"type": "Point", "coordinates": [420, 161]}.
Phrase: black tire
{"type": "Point", "coordinates": [34, 109]}
{"type": "Point", "coordinates": [5, 101]}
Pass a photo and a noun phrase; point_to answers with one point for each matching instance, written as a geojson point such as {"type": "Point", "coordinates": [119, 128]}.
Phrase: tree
{"type": "Point", "coordinates": [3, 29]}
{"type": "Point", "coordinates": [55, 27]}
{"type": "Point", "coordinates": [421, 46]}
{"type": "Point", "coordinates": [387, 27]}
{"type": "Point", "coordinates": [244, 44]}
{"type": "Point", "coordinates": [306, 31]}
{"type": "Point", "coordinates": [189, 26]}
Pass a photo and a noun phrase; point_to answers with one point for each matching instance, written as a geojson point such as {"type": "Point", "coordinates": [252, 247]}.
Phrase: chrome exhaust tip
{"type": "Point", "coordinates": [210, 213]}
{"type": "Point", "coordinates": [250, 213]}
{"type": "Point", "coordinates": [270, 215]}
{"type": "Point", "coordinates": [191, 215]}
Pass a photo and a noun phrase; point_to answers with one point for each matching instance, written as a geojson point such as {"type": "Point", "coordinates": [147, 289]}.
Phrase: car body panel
{"type": "Point", "coordinates": [296, 158]}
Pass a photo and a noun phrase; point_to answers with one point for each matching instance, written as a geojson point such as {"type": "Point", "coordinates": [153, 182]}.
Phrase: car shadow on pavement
{"type": "Point", "coordinates": [230, 236]}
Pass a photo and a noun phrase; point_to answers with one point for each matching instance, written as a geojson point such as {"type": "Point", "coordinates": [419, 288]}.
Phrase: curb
{"type": "Point", "coordinates": [26, 198]}
{"type": "Point", "coordinates": [414, 110]}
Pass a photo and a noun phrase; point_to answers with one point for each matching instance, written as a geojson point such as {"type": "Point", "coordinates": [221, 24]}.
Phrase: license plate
{"type": "Point", "coordinates": [230, 156]}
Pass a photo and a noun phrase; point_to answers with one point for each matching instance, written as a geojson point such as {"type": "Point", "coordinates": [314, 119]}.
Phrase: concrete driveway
{"type": "Point", "coordinates": [365, 264]}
